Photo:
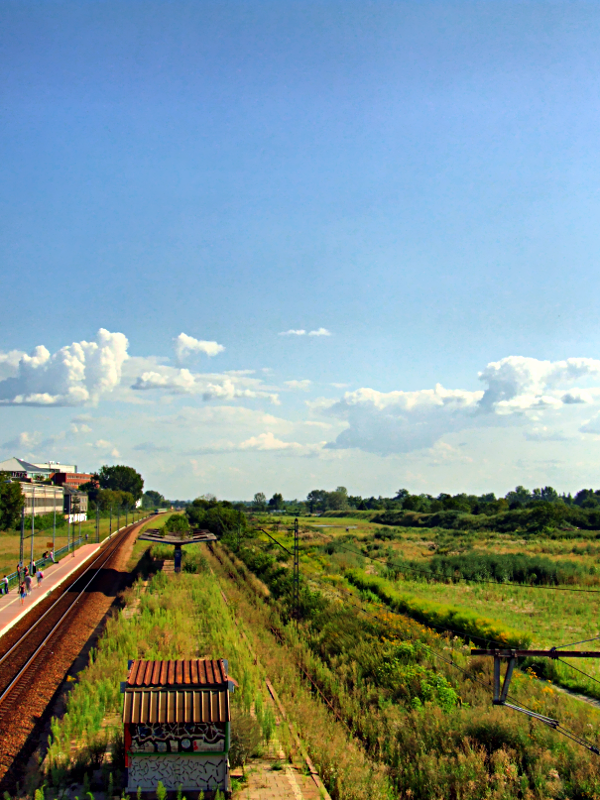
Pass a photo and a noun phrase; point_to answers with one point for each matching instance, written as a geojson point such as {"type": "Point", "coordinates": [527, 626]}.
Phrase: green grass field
{"type": "Point", "coordinates": [549, 616]}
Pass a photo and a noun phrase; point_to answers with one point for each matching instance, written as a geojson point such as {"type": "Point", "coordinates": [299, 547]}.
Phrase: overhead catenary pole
{"type": "Point", "coordinates": [22, 544]}
{"type": "Point", "coordinates": [54, 525]}
{"type": "Point", "coordinates": [500, 691]}
{"type": "Point", "coordinates": [32, 526]}
{"type": "Point", "coordinates": [110, 523]}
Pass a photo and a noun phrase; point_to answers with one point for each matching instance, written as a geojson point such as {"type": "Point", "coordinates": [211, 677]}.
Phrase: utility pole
{"type": "Point", "coordinates": [97, 524]}
{"type": "Point", "coordinates": [32, 526]}
{"type": "Point", "coordinates": [54, 525]}
{"type": "Point", "coordinates": [296, 598]}
{"type": "Point", "coordinates": [110, 524]}
{"type": "Point", "coordinates": [22, 543]}
{"type": "Point", "coordinates": [510, 656]}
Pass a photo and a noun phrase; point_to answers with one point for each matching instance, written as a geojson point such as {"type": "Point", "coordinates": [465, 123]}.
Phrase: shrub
{"type": "Point", "coordinates": [245, 739]}
{"type": "Point", "coordinates": [504, 567]}
{"type": "Point", "coordinates": [177, 523]}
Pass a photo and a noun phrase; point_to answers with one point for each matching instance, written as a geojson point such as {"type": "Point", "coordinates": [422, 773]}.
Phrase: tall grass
{"type": "Point", "coordinates": [183, 618]}
{"type": "Point", "coordinates": [452, 742]}
{"type": "Point", "coordinates": [439, 615]}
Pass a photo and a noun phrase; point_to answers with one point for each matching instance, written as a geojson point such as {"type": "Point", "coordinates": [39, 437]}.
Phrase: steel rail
{"type": "Point", "coordinates": [106, 555]}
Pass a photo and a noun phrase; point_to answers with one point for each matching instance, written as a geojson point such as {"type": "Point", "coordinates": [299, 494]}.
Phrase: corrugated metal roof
{"type": "Point", "coordinates": [183, 673]}
{"type": "Point", "coordinates": [147, 706]}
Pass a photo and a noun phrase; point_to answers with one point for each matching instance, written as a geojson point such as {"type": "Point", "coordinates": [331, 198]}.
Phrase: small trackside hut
{"type": "Point", "coordinates": [176, 725]}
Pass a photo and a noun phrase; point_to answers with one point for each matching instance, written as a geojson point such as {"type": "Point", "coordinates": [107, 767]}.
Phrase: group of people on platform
{"type": "Point", "coordinates": [25, 575]}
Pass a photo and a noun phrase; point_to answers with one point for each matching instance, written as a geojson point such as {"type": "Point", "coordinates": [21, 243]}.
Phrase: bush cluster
{"type": "Point", "coordinates": [504, 568]}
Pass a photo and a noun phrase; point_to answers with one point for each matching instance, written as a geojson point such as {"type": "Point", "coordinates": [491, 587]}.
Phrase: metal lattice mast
{"type": "Point", "coordinates": [296, 572]}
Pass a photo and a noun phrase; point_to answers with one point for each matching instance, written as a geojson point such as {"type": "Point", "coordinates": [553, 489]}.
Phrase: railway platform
{"type": "Point", "coordinates": [11, 610]}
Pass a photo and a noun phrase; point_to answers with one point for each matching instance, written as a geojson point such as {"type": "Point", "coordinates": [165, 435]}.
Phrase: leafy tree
{"type": "Point", "coordinates": [121, 478]}
{"type": "Point", "coordinates": [587, 498]}
{"type": "Point", "coordinates": [177, 523]}
{"type": "Point", "coordinates": [260, 501]}
{"type": "Point", "coordinates": [152, 499]}
{"type": "Point", "coordinates": [276, 502]}
{"type": "Point", "coordinates": [401, 494]}
{"type": "Point", "coordinates": [217, 517]}
{"type": "Point", "coordinates": [338, 500]}
{"type": "Point", "coordinates": [519, 497]}
{"type": "Point", "coordinates": [104, 499]}
{"type": "Point", "coordinates": [11, 502]}
{"type": "Point", "coordinates": [317, 500]}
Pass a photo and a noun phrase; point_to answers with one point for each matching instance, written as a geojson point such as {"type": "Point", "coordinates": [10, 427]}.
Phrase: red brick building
{"type": "Point", "coordinates": [71, 479]}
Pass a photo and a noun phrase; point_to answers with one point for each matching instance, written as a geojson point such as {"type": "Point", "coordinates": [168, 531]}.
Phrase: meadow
{"type": "Point", "coordinates": [376, 672]}
{"type": "Point", "coordinates": [394, 652]}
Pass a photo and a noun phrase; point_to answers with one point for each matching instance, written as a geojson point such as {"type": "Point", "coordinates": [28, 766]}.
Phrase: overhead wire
{"type": "Point", "coordinates": [558, 726]}
{"type": "Point", "coordinates": [572, 644]}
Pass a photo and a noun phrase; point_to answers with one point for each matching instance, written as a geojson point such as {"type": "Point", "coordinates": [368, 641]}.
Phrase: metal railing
{"type": "Point", "coordinates": [13, 577]}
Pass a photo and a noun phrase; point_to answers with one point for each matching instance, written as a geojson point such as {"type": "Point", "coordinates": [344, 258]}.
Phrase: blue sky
{"type": "Point", "coordinates": [419, 179]}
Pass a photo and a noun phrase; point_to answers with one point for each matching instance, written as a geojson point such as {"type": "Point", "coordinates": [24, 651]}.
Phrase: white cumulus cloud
{"type": "Point", "coordinates": [517, 391]}
{"type": "Point", "coordinates": [9, 363]}
{"type": "Point", "coordinates": [227, 386]}
{"type": "Point", "coordinates": [75, 375]}
{"type": "Point", "coordinates": [302, 332]}
{"type": "Point", "coordinates": [23, 442]}
{"type": "Point", "coordinates": [186, 345]}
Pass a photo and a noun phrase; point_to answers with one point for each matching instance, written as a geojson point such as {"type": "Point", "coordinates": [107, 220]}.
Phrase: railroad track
{"type": "Point", "coordinates": [36, 661]}
{"type": "Point", "coordinates": [19, 661]}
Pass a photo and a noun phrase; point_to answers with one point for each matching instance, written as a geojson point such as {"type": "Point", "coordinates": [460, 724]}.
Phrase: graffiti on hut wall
{"type": "Point", "coordinates": [177, 737]}
{"type": "Point", "coordinates": [175, 771]}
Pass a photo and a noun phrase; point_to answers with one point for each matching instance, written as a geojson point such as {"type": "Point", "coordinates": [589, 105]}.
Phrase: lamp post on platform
{"type": "Point", "coordinates": [32, 528]}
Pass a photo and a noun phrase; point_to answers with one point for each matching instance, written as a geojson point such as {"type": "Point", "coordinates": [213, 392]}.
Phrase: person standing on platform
{"type": "Point", "coordinates": [28, 582]}
{"type": "Point", "coordinates": [39, 576]}
{"type": "Point", "coordinates": [52, 557]}
{"type": "Point", "coordinates": [5, 585]}
{"type": "Point", "coordinates": [22, 592]}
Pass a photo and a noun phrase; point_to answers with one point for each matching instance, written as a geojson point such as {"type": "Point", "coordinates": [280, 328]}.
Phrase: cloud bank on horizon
{"type": "Point", "coordinates": [204, 419]}
{"type": "Point", "coordinates": [518, 391]}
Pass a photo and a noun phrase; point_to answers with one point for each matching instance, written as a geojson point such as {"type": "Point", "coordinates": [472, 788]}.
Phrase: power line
{"type": "Point", "coordinates": [557, 727]}
{"type": "Point", "coordinates": [554, 724]}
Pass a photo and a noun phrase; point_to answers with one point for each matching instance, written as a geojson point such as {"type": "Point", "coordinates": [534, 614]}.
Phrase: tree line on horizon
{"type": "Point", "coordinates": [321, 500]}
